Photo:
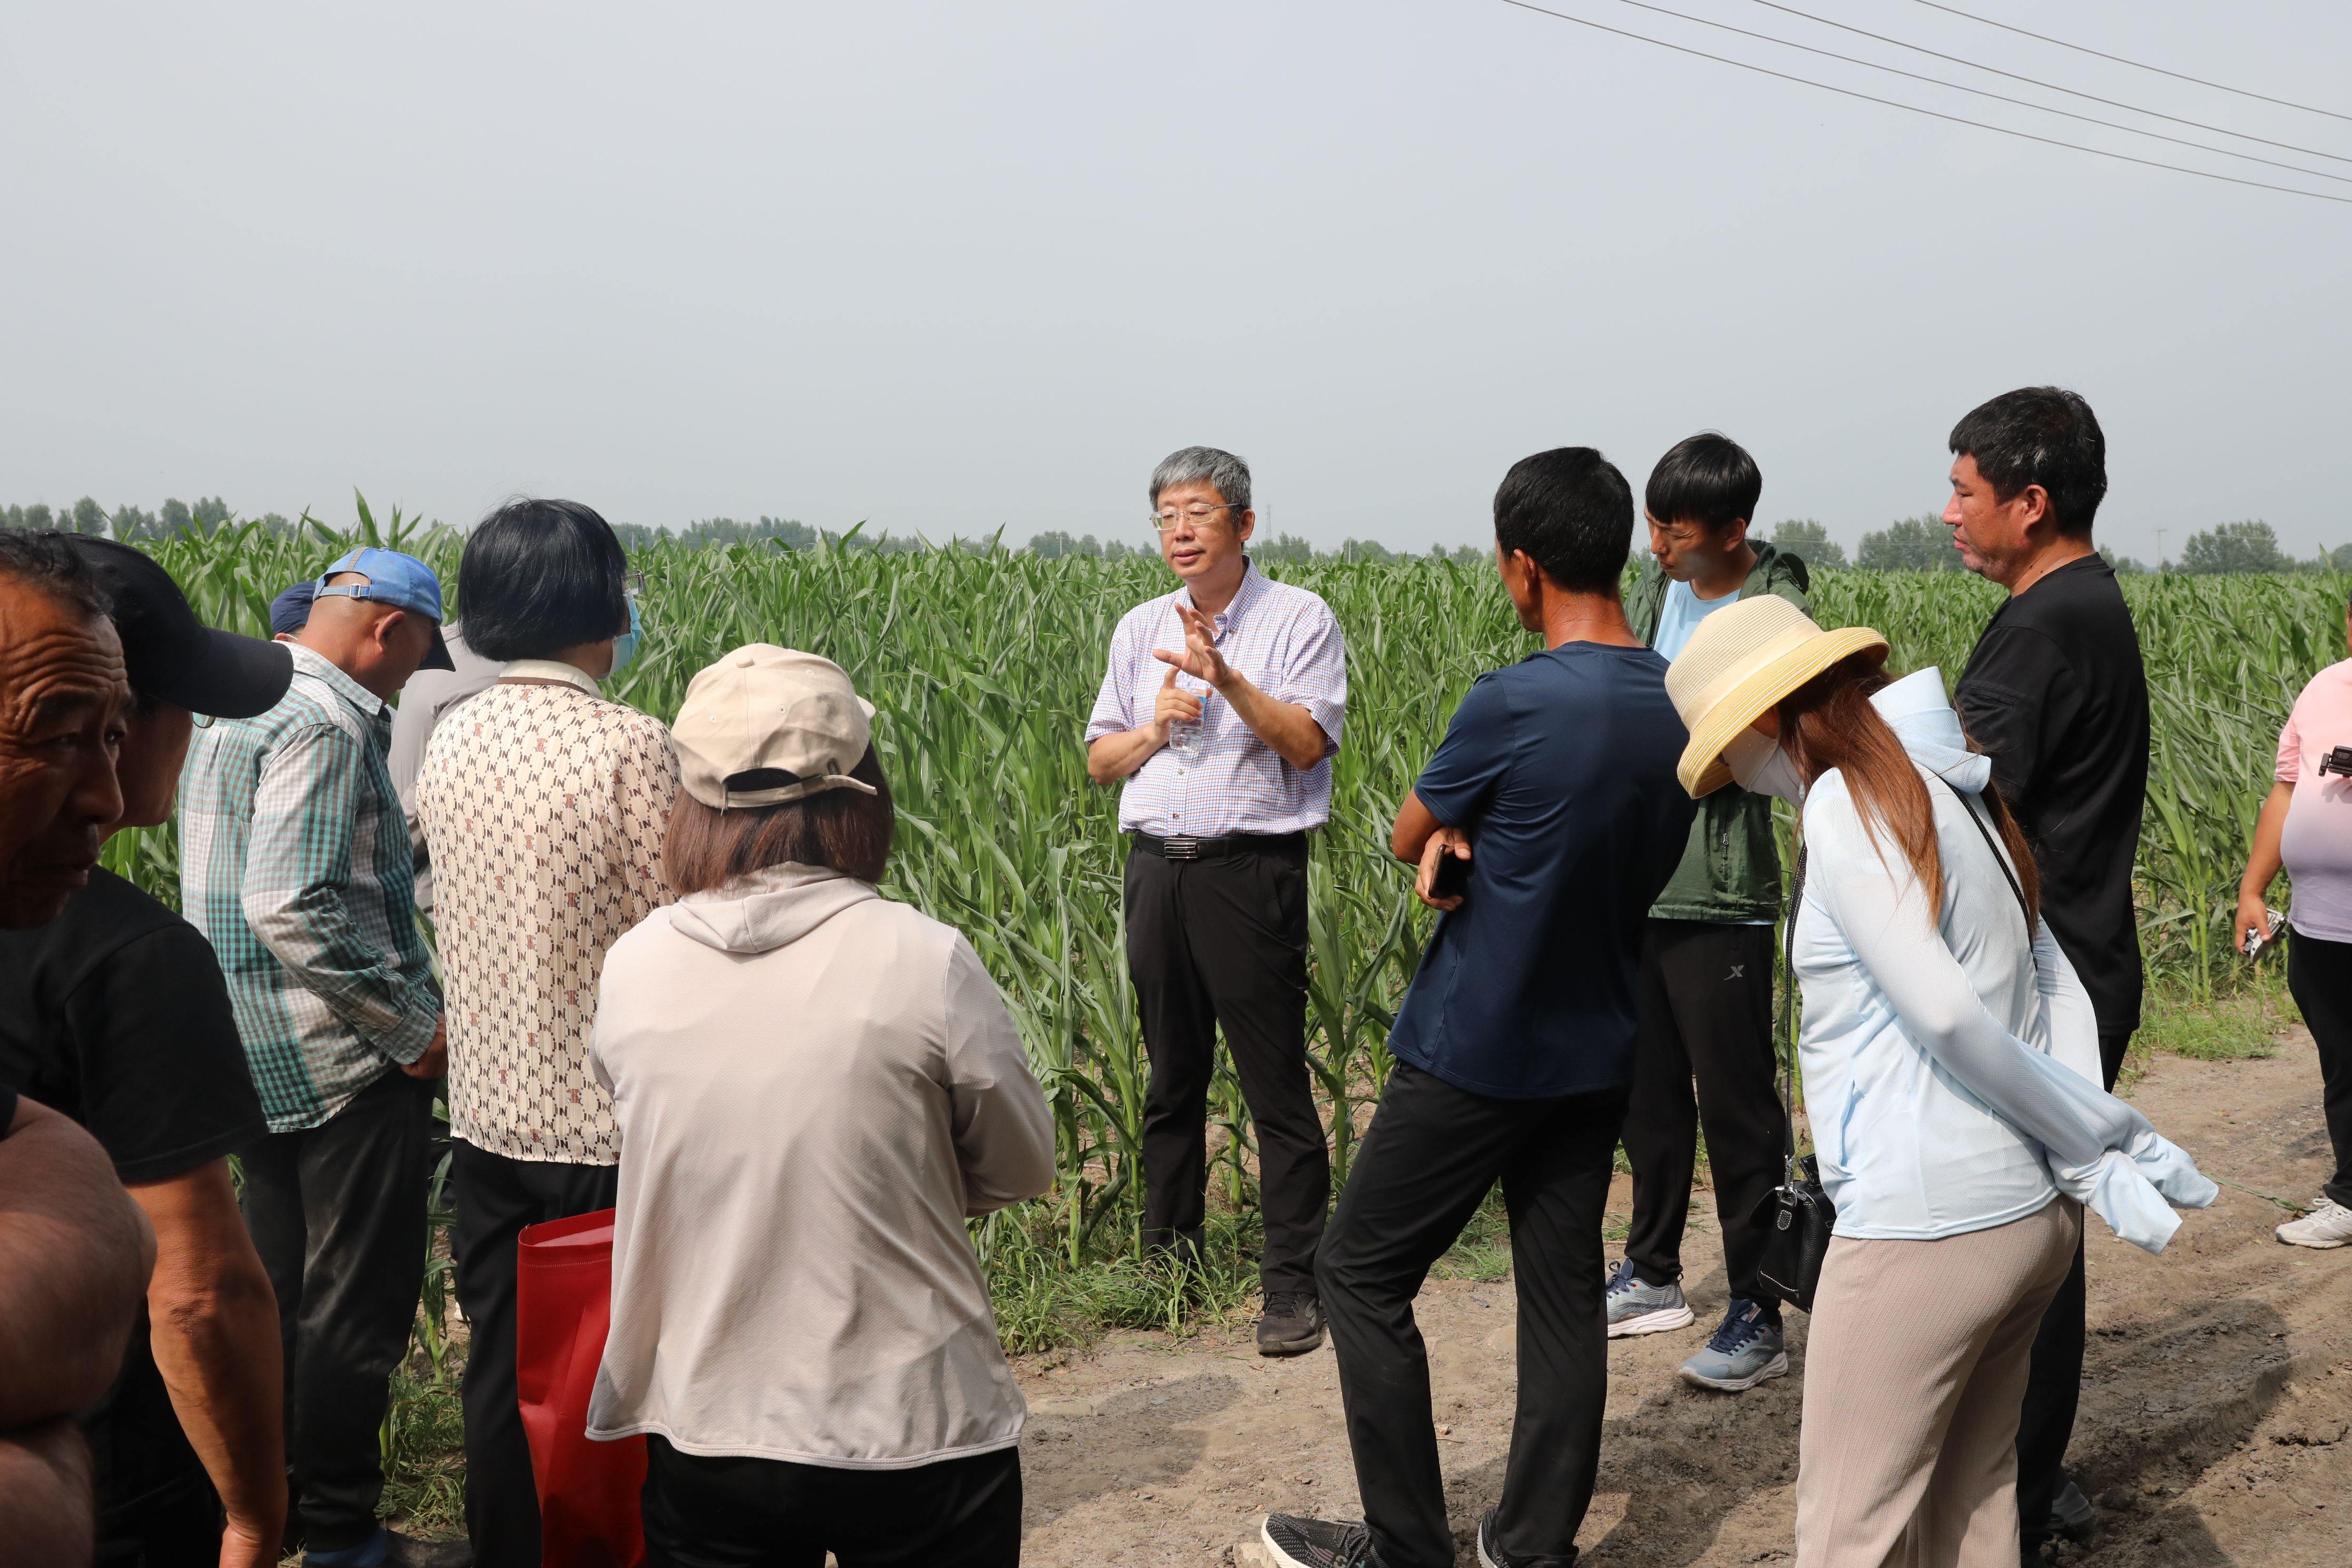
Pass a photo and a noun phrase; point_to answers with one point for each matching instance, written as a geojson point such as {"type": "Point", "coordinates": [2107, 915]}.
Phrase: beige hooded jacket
{"type": "Point", "coordinates": [815, 1087]}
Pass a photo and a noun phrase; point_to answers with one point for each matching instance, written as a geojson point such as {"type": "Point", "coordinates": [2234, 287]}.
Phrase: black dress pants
{"type": "Point", "coordinates": [2319, 973]}
{"type": "Point", "coordinates": [494, 1198]}
{"type": "Point", "coordinates": [2053, 1382]}
{"type": "Point", "coordinates": [337, 1213]}
{"type": "Point", "coordinates": [1431, 1156]}
{"type": "Point", "coordinates": [735, 1512]}
{"type": "Point", "coordinates": [1705, 1013]}
{"type": "Point", "coordinates": [1223, 942]}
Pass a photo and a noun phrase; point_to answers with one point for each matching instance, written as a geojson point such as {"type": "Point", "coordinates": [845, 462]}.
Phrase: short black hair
{"type": "Point", "coordinates": [538, 576]}
{"type": "Point", "coordinates": [2042, 435]}
{"type": "Point", "coordinates": [1707, 479]}
{"type": "Point", "coordinates": [46, 559]}
{"type": "Point", "coordinates": [1572, 513]}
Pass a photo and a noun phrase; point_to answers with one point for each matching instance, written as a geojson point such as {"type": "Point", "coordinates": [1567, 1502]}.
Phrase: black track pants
{"type": "Point", "coordinates": [1706, 1015]}
{"type": "Point", "coordinates": [1432, 1153]}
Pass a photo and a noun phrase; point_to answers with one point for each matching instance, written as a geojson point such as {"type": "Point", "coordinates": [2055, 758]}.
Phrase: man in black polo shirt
{"type": "Point", "coordinates": [2057, 693]}
{"type": "Point", "coordinates": [116, 1014]}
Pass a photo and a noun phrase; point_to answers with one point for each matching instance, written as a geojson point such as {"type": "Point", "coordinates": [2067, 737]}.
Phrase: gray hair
{"type": "Point", "coordinates": [1196, 465]}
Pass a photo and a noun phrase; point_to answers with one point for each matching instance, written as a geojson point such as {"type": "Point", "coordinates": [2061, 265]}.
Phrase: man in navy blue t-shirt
{"type": "Point", "coordinates": [1555, 790]}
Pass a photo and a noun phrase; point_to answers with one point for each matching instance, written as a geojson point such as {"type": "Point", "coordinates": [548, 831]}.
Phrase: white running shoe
{"type": "Point", "coordinates": [2329, 1225]}
{"type": "Point", "coordinates": [1634, 1307]}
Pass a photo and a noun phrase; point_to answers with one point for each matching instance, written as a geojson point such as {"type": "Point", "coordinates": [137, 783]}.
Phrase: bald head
{"type": "Point", "coordinates": [377, 645]}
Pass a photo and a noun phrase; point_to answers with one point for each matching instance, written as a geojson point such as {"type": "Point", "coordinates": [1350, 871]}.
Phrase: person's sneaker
{"type": "Point", "coordinates": [1635, 1307]}
{"type": "Point", "coordinates": [1293, 1324]}
{"type": "Point", "coordinates": [1298, 1542]}
{"type": "Point", "coordinates": [1744, 1350]}
{"type": "Point", "coordinates": [390, 1549]}
{"type": "Point", "coordinates": [1490, 1551]}
{"type": "Point", "coordinates": [2071, 1516]}
{"type": "Point", "coordinates": [2329, 1225]}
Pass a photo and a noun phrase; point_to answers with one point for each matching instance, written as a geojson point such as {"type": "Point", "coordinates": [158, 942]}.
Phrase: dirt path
{"type": "Point", "coordinates": [2213, 1430]}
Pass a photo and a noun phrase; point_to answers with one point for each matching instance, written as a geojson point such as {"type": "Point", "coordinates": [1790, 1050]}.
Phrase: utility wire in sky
{"type": "Point", "coordinates": [1916, 108]}
{"type": "Point", "coordinates": [2136, 65]}
{"type": "Point", "coordinates": [1996, 97]}
{"type": "Point", "coordinates": [2050, 86]}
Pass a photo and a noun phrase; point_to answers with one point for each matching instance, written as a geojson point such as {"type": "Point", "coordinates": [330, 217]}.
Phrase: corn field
{"type": "Point", "coordinates": [983, 666]}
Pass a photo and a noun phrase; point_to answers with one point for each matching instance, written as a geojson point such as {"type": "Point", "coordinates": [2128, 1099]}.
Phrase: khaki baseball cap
{"type": "Point", "coordinates": [766, 725]}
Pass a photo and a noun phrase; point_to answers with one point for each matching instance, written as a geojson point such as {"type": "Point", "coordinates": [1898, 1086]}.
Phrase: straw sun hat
{"type": "Point", "coordinates": [1741, 660]}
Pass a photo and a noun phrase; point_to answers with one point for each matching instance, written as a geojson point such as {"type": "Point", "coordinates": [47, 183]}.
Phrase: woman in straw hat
{"type": "Point", "coordinates": [816, 1087]}
{"type": "Point", "coordinates": [1951, 1077]}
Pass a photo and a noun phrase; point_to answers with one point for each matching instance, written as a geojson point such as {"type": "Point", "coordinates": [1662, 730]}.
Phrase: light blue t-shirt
{"type": "Point", "coordinates": [1680, 616]}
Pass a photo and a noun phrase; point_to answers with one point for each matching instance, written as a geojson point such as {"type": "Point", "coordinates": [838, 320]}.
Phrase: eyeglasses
{"type": "Point", "coordinates": [1162, 521]}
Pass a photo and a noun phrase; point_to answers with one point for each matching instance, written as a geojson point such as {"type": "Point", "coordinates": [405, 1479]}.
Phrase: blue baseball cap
{"type": "Point", "coordinates": [401, 581]}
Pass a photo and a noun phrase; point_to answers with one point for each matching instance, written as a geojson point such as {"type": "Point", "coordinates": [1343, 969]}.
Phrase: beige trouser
{"type": "Point", "coordinates": [1914, 1371]}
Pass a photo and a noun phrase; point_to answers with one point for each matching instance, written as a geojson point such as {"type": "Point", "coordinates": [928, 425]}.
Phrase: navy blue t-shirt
{"type": "Point", "coordinates": [1561, 769]}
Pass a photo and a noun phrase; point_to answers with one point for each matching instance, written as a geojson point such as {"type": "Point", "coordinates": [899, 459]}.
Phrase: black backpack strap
{"type": "Point", "coordinates": [1788, 1019]}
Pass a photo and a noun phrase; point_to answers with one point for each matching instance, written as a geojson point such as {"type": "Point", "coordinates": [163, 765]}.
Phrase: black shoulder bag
{"type": "Point", "coordinates": [1797, 1215]}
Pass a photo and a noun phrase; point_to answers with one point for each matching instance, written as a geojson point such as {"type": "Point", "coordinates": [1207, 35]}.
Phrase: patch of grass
{"type": "Point", "coordinates": [2241, 1025]}
{"type": "Point", "coordinates": [424, 1451]}
{"type": "Point", "coordinates": [1043, 1302]}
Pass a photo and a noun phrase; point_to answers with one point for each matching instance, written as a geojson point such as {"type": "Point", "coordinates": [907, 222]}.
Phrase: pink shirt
{"type": "Point", "coordinates": [2318, 843]}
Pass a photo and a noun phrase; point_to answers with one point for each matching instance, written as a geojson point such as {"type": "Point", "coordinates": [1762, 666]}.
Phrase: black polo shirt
{"type": "Point", "coordinates": [2057, 693]}
{"type": "Point", "coordinates": [116, 1014]}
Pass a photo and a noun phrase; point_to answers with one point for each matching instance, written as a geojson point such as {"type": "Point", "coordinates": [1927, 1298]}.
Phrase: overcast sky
{"type": "Point", "coordinates": [948, 267]}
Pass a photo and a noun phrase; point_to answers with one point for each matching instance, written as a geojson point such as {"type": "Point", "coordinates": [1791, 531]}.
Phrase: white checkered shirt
{"type": "Point", "coordinates": [1286, 642]}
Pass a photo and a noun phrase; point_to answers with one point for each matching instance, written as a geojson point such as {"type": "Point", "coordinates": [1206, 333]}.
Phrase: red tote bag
{"type": "Point", "coordinates": [563, 1306]}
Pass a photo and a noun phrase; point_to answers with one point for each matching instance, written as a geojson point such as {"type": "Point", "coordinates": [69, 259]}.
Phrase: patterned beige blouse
{"type": "Point", "coordinates": [544, 807]}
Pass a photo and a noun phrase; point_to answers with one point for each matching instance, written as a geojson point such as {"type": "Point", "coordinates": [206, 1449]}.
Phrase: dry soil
{"type": "Point", "coordinates": [2213, 1428]}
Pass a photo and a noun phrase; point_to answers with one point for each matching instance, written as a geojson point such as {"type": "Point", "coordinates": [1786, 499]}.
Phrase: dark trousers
{"type": "Point", "coordinates": [734, 1511]}
{"type": "Point", "coordinates": [1706, 1013]}
{"type": "Point", "coordinates": [337, 1213]}
{"type": "Point", "coordinates": [1431, 1156]}
{"type": "Point", "coordinates": [2053, 1386]}
{"type": "Point", "coordinates": [494, 1198]}
{"type": "Point", "coordinates": [2320, 975]}
{"type": "Point", "coordinates": [182, 1530]}
{"type": "Point", "coordinates": [1217, 942]}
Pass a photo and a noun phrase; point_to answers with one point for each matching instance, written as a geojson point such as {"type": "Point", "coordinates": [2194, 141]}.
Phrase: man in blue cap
{"type": "Point", "coordinates": [295, 863]}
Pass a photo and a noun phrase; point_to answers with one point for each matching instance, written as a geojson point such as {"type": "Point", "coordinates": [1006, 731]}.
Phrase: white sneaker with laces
{"type": "Point", "coordinates": [2328, 1225]}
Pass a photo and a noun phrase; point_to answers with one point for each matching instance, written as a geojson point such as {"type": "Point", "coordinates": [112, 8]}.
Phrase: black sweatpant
{"type": "Point", "coordinates": [494, 1198]}
{"type": "Point", "coordinates": [1223, 942]}
{"type": "Point", "coordinates": [337, 1213]}
{"type": "Point", "coordinates": [2319, 973]}
{"type": "Point", "coordinates": [1431, 1156]}
{"type": "Point", "coordinates": [2054, 1384]}
{"type": "Point", "coordinates": [735, 1512]}
{"type": "Point", "coordinates": [1706, 1013]}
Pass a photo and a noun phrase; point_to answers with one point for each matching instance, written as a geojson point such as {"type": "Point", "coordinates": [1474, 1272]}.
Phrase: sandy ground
{"type": "Point", "coordinates": [2213, 1431]}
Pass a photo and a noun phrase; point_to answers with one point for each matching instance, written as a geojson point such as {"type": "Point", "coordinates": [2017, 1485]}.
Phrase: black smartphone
{"type": "Point", "coordinates": [1452, 879]}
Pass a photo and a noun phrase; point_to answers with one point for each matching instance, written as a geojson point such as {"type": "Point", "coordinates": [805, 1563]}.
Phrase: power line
{"type": "Point", "coordinates": [2137, 65]}
{"type": "Point", "coordinates": [2052, 86]}
{"type": "Point", "coordinates": [1996, 97]}
{"type": "Point", "coordinates": [1931, 114]}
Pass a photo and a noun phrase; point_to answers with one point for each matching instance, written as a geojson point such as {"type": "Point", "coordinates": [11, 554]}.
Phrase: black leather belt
{"type": "Point", "coordinates": [1180, 848]}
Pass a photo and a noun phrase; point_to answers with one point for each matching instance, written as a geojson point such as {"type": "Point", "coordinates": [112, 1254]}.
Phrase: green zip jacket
{"type": "Point", "coordinates": [1731, 871]}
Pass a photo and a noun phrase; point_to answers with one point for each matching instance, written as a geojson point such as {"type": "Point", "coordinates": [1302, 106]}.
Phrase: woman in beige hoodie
{"type": "Point", "coordinates": [816, 1087]}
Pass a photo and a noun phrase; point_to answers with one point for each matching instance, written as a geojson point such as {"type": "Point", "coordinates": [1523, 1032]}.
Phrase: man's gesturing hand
{"type": "Point", "coordinates": [1200, 659]}
{"type": "Point", "coordinates": [1173, 706]}
{"type": "Point", "coordinates": [1444, 842]}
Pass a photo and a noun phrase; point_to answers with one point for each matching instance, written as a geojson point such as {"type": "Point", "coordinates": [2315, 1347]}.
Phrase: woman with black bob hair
{"type": "Point", "coordinates": [818, 1087]}
{"type": "Point", "coordinates": [543, 802]}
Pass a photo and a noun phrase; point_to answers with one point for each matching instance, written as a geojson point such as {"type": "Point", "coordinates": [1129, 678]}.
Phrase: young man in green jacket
{"type": "Point", "coordinates": [1706, 958]}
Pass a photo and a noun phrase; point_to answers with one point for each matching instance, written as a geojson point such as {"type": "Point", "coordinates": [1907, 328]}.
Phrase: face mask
{"type": "Point", "coordinates": [1759, 764]}
{"type": "Point", "coordinates": [624, 646]}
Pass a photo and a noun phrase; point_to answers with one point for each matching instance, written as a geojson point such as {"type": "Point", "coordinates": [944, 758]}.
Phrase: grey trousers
{"type": "Point", "coordinates": [1915, 1371]}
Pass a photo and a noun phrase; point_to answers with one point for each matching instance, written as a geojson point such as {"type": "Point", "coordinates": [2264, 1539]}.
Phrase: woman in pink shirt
{"type": "Point", "coordinates": [2307, 827]}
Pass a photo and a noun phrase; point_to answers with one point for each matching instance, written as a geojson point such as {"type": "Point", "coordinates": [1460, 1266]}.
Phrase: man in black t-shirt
{"type": "Point", "coordinates": [116, 1014]}
{"type": "Point", "coordinates": [2055, 692]}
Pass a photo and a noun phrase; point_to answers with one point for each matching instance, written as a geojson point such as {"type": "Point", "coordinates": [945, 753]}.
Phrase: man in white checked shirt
{"type": "Point", "coordinates": [1222, 710]}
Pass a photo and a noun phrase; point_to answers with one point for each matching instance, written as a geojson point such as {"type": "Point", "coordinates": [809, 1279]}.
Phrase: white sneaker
{"type": "Point", "coordinates": [2329, 1225]}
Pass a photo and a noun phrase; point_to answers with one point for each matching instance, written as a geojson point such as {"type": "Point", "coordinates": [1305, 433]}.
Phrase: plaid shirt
{"type": "Point", "coordinates": [1286, 642]}
{"type": "Point", "coordinates": [294, 861]}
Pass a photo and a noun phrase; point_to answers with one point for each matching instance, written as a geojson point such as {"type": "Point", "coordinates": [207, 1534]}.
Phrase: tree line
{"type": "Point", "coordinates": [1908, 544]}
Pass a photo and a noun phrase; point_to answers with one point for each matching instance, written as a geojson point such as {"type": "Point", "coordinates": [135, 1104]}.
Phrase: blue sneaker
{"type": "Point", "coordinates": [1744, 1350]}
{"type": "Point", "coordinates": [1635, 1307]}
